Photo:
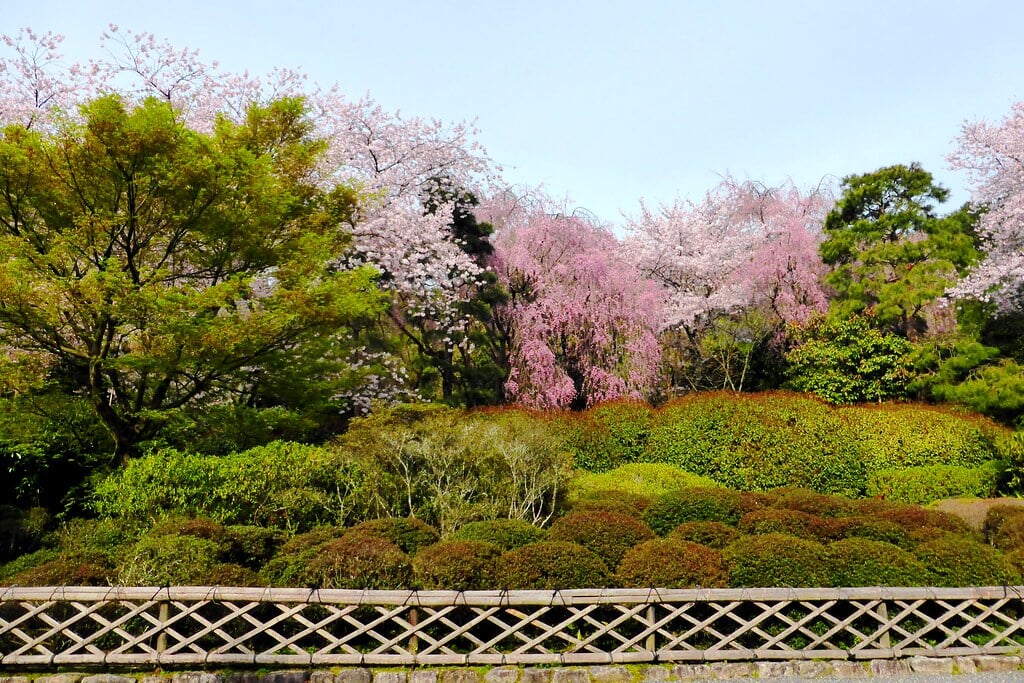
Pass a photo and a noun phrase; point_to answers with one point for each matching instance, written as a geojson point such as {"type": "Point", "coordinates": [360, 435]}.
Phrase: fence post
{"type": "Point", "coordinates": [883, 613]}
{"type": "Point", "coordinates": [414, 620]}
{"type": "Point", "coordinates": [164, 615]}
{"type": "Point", "coordinates": [651, 643]}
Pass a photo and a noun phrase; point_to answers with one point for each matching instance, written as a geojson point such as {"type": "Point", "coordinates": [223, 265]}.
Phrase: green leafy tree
{"type": "Point", "coordinates": [155, 268]}
{"type": "Point", "coordinates": [891, 254]}
{"type": "Point", "coordinates": [850, 361]}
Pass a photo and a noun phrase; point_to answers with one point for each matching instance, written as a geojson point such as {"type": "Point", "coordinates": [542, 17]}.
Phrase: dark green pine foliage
{"type": "Point", "coordinates": [891, 253]}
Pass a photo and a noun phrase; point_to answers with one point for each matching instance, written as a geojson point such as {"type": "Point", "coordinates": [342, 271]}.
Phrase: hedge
{"type": "Point", "coordinates": [928, 483]}
{"type": "Point", "coordinates": [672, 563]}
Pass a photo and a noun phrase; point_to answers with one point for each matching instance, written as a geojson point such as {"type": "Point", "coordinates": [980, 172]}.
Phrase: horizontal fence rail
{"type": "Point", "coordinates": [187, 626]}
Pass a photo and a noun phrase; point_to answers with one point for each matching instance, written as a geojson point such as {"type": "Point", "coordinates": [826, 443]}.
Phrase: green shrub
{"type": "Point", "coordinates": [507, 534]}
{"type": "Point", "coordinates": [758, 442]}
{"type": "Point", "coordinates": [928, 483]}
{"type": "Point", "coordinates": [646, 479]}
{"type": "Point", "coordinates": [608, 534]}
{"type": "Point", "coordinates": [408, 533]}
{"type": "Point", "coordinates": [607, 435]}
{"type": "Point", "coordinates": [551, 565]}
{"type": "Point", "coordinates": [776, 560]}
{"type": "Point", "coordinates": [457, 565]}
{"type": "Point", "coordinates": [290, 566]}
{"type": "Point", "coordinates": [864, 562]}
{"type": "Point", "coordinates": [199, 527]}
{"type": "Point", "coordinates": [170, 559]}
{"type": "Point", "coordinates": [449, 467]}
{"type": "Point", "coordinates": [251, 546]}
{"type": "Point", "coordinates": [912, 517]}
{"type": "Point", "coordinates": [1004, 527]}
{"type": "Point", "coordinates": [26, 562]}
{"type": "Point", "coordinates": [286, 485]}
{"type": "Point", "coordinates": [358, 560]}
{"type": "Point", "coordinates": [874, 529]}
{"type": "Point", "coordinates": [621, 502]}
{"type": "Point", "coordinates": [228, 574]}
{"type": "Point", "coordinates": [811, 502]}
{"type": "Point", "coordinates": [66, 569]}
{"type": "Point", "coordinates": [793, 522]}
{"type": "Point", "coordinates": [696, 505]}
{"type": "Point", "coordinates": [672, 563]}
{"type": "Point", "coordinates": [711, 534]}
{"type": "Point", "coordinates": [958, 562]}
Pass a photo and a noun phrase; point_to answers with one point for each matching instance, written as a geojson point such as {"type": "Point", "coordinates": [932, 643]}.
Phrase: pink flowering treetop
{"type": "Point", "coordinates": [993, 154]}
{"type": "Point", "coordinates": [583, 320]}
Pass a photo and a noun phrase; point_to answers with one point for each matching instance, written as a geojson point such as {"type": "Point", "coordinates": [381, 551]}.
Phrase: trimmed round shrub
{"type": "Point", "coordinates": [776, 560]}
{"type": "Point", "coordinates": [811, 502]}
{"type": "Point", "coordinates": [711, 534]}
{"type": "Point", "coordinates": [959, 562]}
{"type": "Point", "coordinates": [290, 566]}
{"type": "Point", "coordinates": [360, 560]}
{"type": "Point", "coordinates": [874, 529]}
{"type": "Point", "coordinates": [647, 479]}
{"type": "Point", "coordinates": [912, 517]}
{"type": "Point", "coordinates": [229, 574]}
{"type": "Point", "coordinates": [607, 435]}
{"type": "Point", "coordinates": [793, 522]}
{"type": "Point", "coordinates": [507, 534]}
{"type": "Point", "coordinates": [552, 565]}
{"type": "Point", "coordinates": [672, 563]}
{"type": "Point", "coordinates": [696, 505]}
{"type": "Point", "coordinates": [408, 533]}
{"type": "Point", "coordinates": [927, 534]}
{"type": "Point", "coordinates": [199, 527]}
{"type": "Point", "coordinates": [621, 502]}
{"type": "Point", "coordinates": [170, 559]}
{"type": "Point", "coordinates": [607, 534]}
{"type": "Point", "coordinates": [71, 569]}
{"type": "Point", "coordinates": [252, 546]}
{"type": "Point", "coordinates": [1004, 527]}
{"type": "Point", "coordinates": [457, 566]}
{"type": "Point", "coordinates": [927, 483]}
{"type": "Point", "coordinates": [864, 562]}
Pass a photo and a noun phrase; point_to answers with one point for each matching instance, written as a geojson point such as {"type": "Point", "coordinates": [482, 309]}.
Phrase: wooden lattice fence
{"type": "Point", "coordinates": [187, 626]}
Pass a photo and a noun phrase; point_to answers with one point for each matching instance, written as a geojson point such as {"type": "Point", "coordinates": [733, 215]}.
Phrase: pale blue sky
{"type": "Point", "coordinates": [610, 102]}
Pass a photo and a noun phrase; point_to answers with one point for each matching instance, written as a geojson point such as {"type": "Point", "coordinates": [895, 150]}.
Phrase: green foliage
{"type": "Point", "coordinates": [1013, 448]}
{"type": "Point", "coordinates": [711, 534]}
{"type": "Point", "coordinates": [811, 502]}
{"type": "Point", "coordinates": [849, 361]}
{"type": "Point", "coordinates": [695, 505]}
{"type": "Point", "coordinates": [457, 565]}
{"type": "Point", "coordinates": [290, 566]}
{"type": "Point", "coordinates": [449, 467]}
{"type": "Point", "coordinates": [645, 479]}
{"type": "Point", "coordinates": [551, 565]}
{"type": "Point", "coordinates": [792, 522]}
{"type": "Point", "coordinates": [621, 502]}
{"type": "Point", "coordinates": [873, 529]}
{"type": "Point", "coordinates": [608, 435]}
{"type": "Point", "coordinates": [776, 560]}
{"type": "Point", "coordinates": [912, 517]}
{"type": "Point", "coordinates": [866, 562]}
{"type": "Point", "coordinates": [758, 442]}
{"type": "Point", "coordinates": [169, 560]}
{"type": "Point", "coordinates": [358, 560]}
{"type": "Point", "coordinates": [608, 534]}
{"type": "Point", "coordinates": [251, 546]}
{"type": "Point", "coordinates": [929, 483]}
{"type": "Point", "coordinates": [960, 562]}
{"type": "Point", "coordinates": [672, 563]}
{"type": "Point", "coordinates": [285, 485]}
{"type": "Point", "coordinates": [229, 574]}
{"type": "Point", "coordinates": [507, 534]}
{"type": "Point", "coordinates": [64, 569]}
{"type": "Point", "coordinates": [1004, 527]}
{"type": "Point", "coordinates": [891, 254]}
{"type": "Point", "coordinates": [408, 533]}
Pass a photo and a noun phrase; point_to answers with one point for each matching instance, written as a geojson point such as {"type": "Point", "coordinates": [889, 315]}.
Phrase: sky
{"type": "Point", "coordinates": [605, 104]}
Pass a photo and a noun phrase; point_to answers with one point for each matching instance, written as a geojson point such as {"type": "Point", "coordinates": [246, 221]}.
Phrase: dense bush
{"type": "Point", "coordinates": [959, 562]}
{"type": "Point", "coordinates": [793, 522]}
{"type": "Point", "coordinates": [776, 560]}
{"type": "Point", "coordinates": [507, 534]}
{"type": "Point", "coordinates": [711, 534]}
{"type": "Point", "coordinates": [874, 529]}
{"type": "Point", "coordinates": [608, 534]}
{"type": "Point", "coordinates": [169, 559]}
{"type": "Point", "coordinates": [912, 517]}
{"type": "Point", "coordinates": [457, 565]}
{"type": "Point", "coordinates": [1004, 527]}
{"type": "Point", "coordinates": [449, 467]}
{"type": "Point", "coordinates": [251, 546]}
{"type": "Point", "coordinates": [607, 435]}
{"type": "Point", "coordinates": [229, 574]}
{"type": "Point", "coordinates": [645, 479]}
{"type": "Point", "coordinates": [290, 566]}
{"type": "Point", "coordinates": [67, 569]}
{"type": "Point", "coordinates": [811, 502]}
{"type": "Point", "coordinates": [21, 531]}
{"type": "Point", "coordinates": [696, 505]}
{"type": "Point", "coordinates": [928, 483]}
{"type": "Point", "coordinates": [672, 563]}
{"type": "Point", "coordinates": [360, 561]}
{"type": "Point", "coordinates": [759, 442]}
{"type": "Point", "coordinates": [621, 502]}
{"type": "Point", "coordinates": [408, 533]}
{"type": "Point", "coordinates": [287, 485]}
{"type": "Point", "coordinates": [864, 562]}
{"type": "Point", "coordinates": [551, 565]}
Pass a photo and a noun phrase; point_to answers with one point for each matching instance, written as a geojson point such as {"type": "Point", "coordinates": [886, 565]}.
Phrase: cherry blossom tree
{"type": "Point", "coordinates": [583, 320]}
{"type": "Point", "coordinates": [993, 155]}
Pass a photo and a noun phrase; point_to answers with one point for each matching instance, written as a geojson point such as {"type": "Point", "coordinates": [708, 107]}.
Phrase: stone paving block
{"type": "Point", "coordinates": [389, 677]}
{"type": "Point", "coordinates": [535, 676]}
{"type": "Point", "coordinates": [61, 678]}
{"type": "Point", "coordinates": [154, 679]}
{"type": "Point", "coordinates": [108, 678]}
{"type": "Point", "coordinates": [321, 676]}
{"type": "Point", "coordinates": [195, 677]}
{"type": "Point", "coordinates": [250, 677]}
{"type": "Point", "coordinates": [726, 671]}
{"type": "Point", "coordinates": [297, 676]}
{"type": "Point", "coordinates": [13, 679]}
{"type": "Point", "coordinates": [460, 676]}
{"type": "Point", "coordinates": [692, 672]}
{"type": "Point", "coordinates": [775, 669]}
{"type": "Point", "coordinates": [421, 676]}
{"type": "Point", "coordinates": [353, 676]}
{"type": "Point", "coordinates": [610, 674]}
{"type": "Point", "coordinates": [886, 668]}
{"type": "Point", "coordinates": [656, 674]}
{"type": "Point", "coordinates": [932, 665]}
{"type": "Point", "coordinates": [570, 676]}
{"type": "Point", "coordinates": [996, 663]}
{"type": "Point", "coordinates": [806, 669]}
{"type": "Point", "coordinates": [843, 669]}
{"type": "Point", "coordinates": [965, 665]}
